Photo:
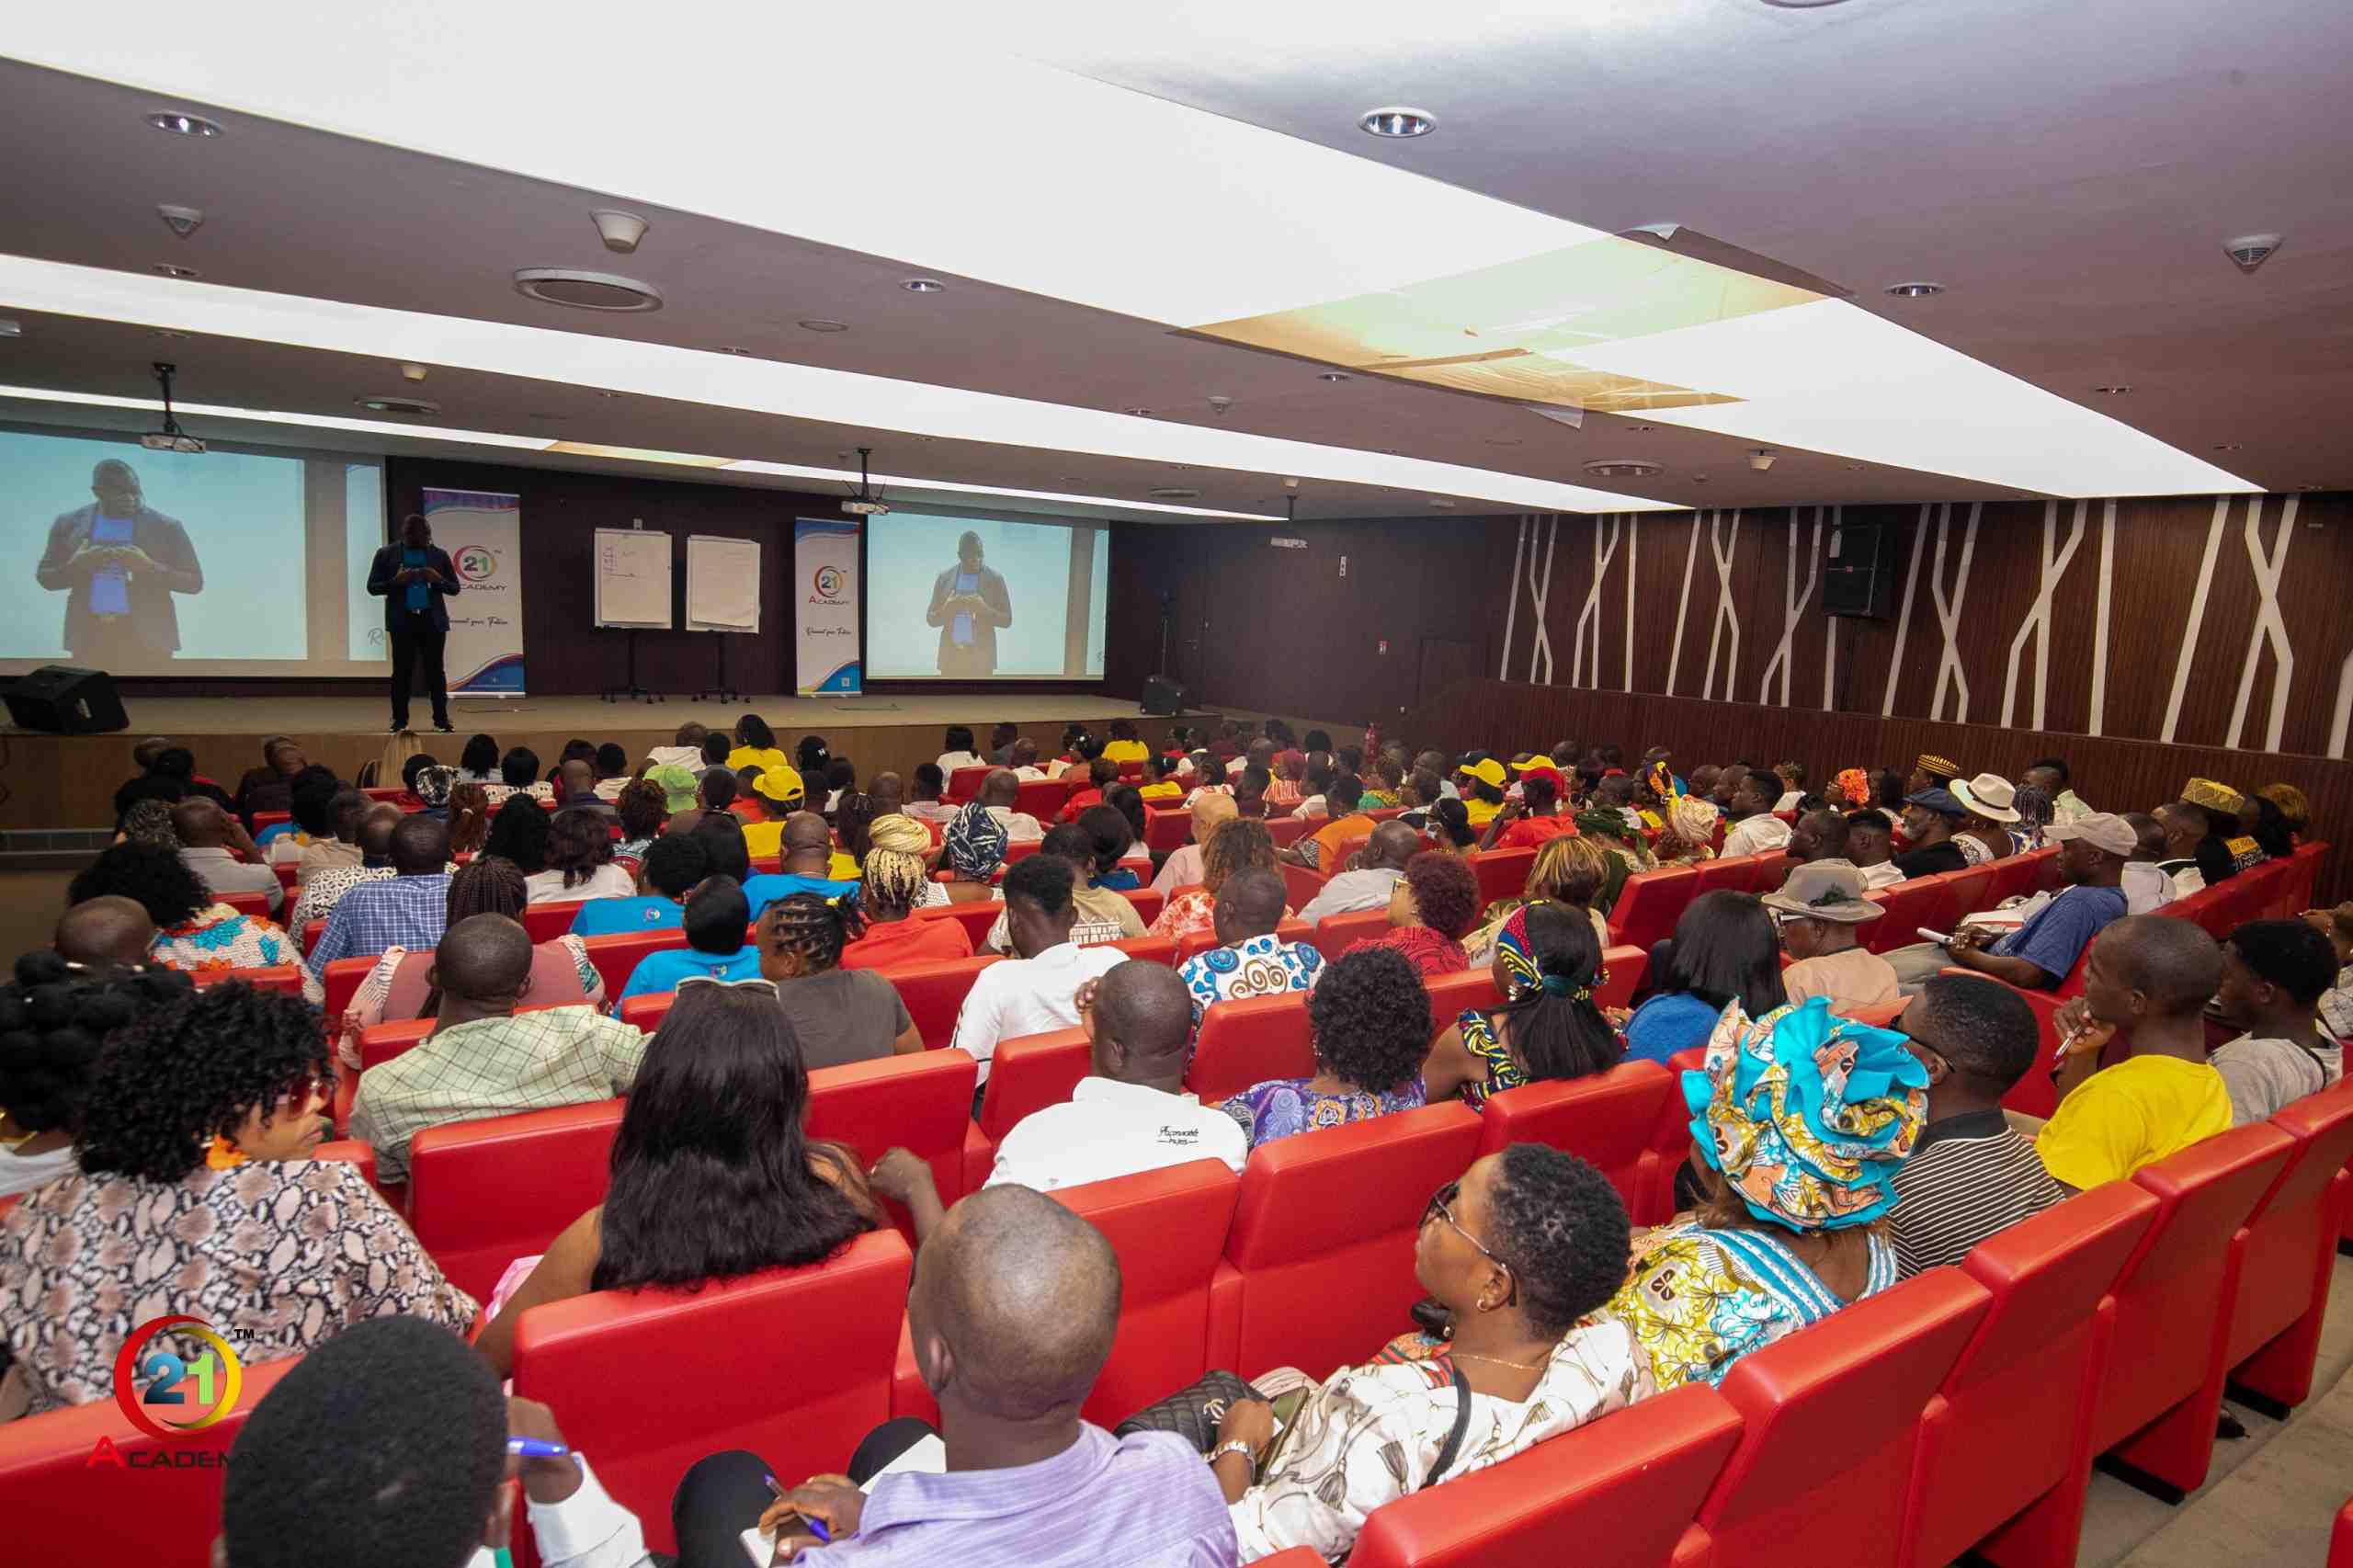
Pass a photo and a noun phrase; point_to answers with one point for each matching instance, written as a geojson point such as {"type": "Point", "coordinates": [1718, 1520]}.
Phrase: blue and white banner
{"type": "Point", "coordinates": [824, 616]}
{"type": "Point", "coordinates": [482, 532]}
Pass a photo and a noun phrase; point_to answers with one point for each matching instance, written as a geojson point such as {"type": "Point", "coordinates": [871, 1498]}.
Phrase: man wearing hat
{"type": "Point", "coordinates": [1535, 819]}
{"type": "Point", "coordinates": [1931, 772]}
{"type": "Point", "coordinates": [1988, 799]}
{"type": "Point", "coordinates": [1486, 796]}
{"type": "Point", "coordinates": [1931, 818]}
{"type": "Point", "coordinates": [2038, 954]}
{"type": "Point", "coordinates": [119, 562]}
{"type": "Point", "coordinates": [676, 783]}
{"type": "Point", "coordinates": [778, 791]}
{"type": "Point", "coordinates": [2222, 850]}
{"type": "Point", "coordinates": [1820, 912]}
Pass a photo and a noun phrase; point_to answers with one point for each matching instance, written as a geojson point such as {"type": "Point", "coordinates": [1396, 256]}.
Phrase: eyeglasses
{"type": "Point", "coordinates": [1441, 1207]}
{"type": "Point", "coordinates": [311, 1086]}
{"type": "Point", "coordinates": [755, 981]}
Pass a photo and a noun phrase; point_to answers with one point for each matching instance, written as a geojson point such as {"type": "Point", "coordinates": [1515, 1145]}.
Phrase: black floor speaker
{"type": "Point", "coordinates": [65, 700]}
{"type": "Point", "coordinates": [1162, 695]}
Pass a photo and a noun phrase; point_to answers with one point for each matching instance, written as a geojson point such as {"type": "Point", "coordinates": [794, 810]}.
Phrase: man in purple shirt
{"type": "Point", "coordinates": [1012, 1308]}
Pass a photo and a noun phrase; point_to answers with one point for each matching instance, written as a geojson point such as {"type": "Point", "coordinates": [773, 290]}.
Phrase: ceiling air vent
{"type": "Point", "coordinates": [397, 406]}
{"type": "Point", "coordinates": [1621, 468]}
{"type": "Point", "coordinates": [586, 290]}
{"type": "Point", "coordinates": [1172, 493]}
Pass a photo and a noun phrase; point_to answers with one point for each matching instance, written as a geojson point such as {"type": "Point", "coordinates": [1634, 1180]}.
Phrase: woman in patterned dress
{"type": "Point", "coordinates": [1238, 844]}
{"type": "Point", "coordinates": [198, 1194]}
{"type": "Point", "coordinates": [192, 932]}
{"type": "Point", "coordinates": [1546, 968]}
{"type": "Point", "coordinates": [1370, 1022]}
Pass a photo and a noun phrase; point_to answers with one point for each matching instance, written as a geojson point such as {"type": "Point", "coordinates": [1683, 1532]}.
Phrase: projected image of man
{"type": "Point", "coordinates": [969, 602]}
{"type": "Point", "coordinates": [119, 562]}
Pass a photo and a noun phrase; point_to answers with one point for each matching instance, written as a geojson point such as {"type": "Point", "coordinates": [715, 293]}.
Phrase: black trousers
{"type": "Point", "coordinates": [723, 1495]}
{"type": "Point", "coordinates": [416, 640]}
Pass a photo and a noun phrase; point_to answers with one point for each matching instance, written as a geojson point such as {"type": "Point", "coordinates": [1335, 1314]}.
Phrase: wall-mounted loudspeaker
{"type": "Point", "coordinates": [1859, 579]}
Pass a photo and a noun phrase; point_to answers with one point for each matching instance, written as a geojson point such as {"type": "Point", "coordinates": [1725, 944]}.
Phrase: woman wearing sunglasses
{"type": "Point", "coordinates": [198, 1194]}
{"type": "Point", "coordinates": [1518, 1253]}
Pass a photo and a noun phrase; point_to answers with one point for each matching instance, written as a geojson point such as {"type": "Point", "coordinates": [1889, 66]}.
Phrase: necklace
{"type": "Point", "coordinates": [1499, 1361]}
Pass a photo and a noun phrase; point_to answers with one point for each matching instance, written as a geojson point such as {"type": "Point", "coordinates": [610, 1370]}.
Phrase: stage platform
{"type": "Point", "coordinates": [68, 781]}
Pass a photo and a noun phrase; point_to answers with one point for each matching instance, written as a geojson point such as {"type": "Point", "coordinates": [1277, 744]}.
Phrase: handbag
{"type": "Point", "coordinates": [1194, 1411]}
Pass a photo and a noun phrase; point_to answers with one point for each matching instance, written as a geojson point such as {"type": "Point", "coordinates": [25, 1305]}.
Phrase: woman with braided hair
{"type": "Point", "coordinates": [1547, 967]}
{"type": "Point", "coordinates": [53, 1019]}
{"type": "Point", "coordinates": [839, 1015]}
{"type": "Point", "coordinates": [898, 883]}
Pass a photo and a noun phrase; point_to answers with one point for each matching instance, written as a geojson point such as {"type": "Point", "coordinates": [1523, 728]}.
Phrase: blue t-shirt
{"type": "Point", "coordinates": [110, 586]}
{"type": "Point", "coordinates": [613, 916]}
{"type": "Point", "coordinates": [2053, 940]}
{"type": "Point", "coordinates": [1667, 1024]}
{"type": "Point", "coordinates": [1120, 880]}
{"type": "Point", "coordinates": [420, 594]}
{"type": "Point", "coordinates": [656, 972]}
{"type": "Point", "coordinates": [763, 891]}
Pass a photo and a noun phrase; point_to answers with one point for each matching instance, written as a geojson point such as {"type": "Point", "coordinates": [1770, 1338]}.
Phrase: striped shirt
{"type": "Point", "coordinates": [1969, 1177]}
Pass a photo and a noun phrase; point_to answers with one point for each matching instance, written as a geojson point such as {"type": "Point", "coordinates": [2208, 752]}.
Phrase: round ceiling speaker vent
{"type": "Point", "coordinates": [586, 290]}
{"type": "Point", "coordinates": [1621, 468]}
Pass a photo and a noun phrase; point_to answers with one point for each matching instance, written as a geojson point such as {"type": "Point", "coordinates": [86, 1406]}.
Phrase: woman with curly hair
{"type": "Point", "coordinates": [53, 1019]}
{"type": "Point", "coordinates": [642, 806]}
{"type": "Point", "coordinates": [712, 1177]}
{"type": "Point", "coordinates": [1238, 844]}
{"type": "Point", "coordinates": [1517, 1255]}
{"type": "Point", "coordinates": [399, 986]}
{"type": "Point", "coordinates": [1569, 870]}
{"type": "Point", "coordinates": [1547, 965]}
{"type": "Point", "coordinates": [199, 1194]}
{"type": "Point", "coordinates": [518, 832]}
{"type": "Point", "coordinates": [580, 861]}
{"type": "Point", "coordinates": [1430, 909]}
{"type": "Point", "coordinates": [1369, 1022]}
{"type": "Point", "coordinates": [896, 882]}
{"type": "Point", "coordinates": [192, 932]}
{"type": "Point", "coordinates": [469, 818]}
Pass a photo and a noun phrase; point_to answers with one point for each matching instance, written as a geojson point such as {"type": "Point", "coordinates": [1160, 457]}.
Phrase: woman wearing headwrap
{"type": "Point", "coordinates": [1800, 1119]}
{"type": "Point", "coordinates": [1854, 787]}
{"type": "Point", "coordinates": [975, 844]}
{"type": "Point", "coordinates": [1607, 826]}
{"type": "Point", "coordinates": [1690, 833]}
{"type": "Point", "coordinates": [897, 873]}
{"type": "Point", "coordinates": [1546, 967]}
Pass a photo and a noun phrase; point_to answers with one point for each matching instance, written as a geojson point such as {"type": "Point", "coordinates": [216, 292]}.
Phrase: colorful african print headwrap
{"type": "Point", "coordinates": [1694, 821]}
{"type": "Point", "coordinates": [975, 843]}
{"type": "Point", "coordinates": [1522, 976]}
{"type": "Point", "coordinates": [1854, 784]}
{"type": "Point", "coordinates": [1806, 1114]}
{"type": "Point", "coordinates": [434, 784]}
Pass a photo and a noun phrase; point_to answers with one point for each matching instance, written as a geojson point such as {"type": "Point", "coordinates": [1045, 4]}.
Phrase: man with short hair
{"type": "Point", "coordinates": [1002, 740]}
{"type": "Point", "coordinates": [1820, 912]}
{"type": "Point", "coordinates": [1869, 844]}
{"type": "Point", "coordinates": [1819, 837]}
{"type": "Point", "coordinates": [612, 771]}
{"type": "Point", "coordinates": [1328, 848]}
{"type": "Point", "coordinates": [1374, 877]}
{"type": "Point", "coordinates": [338, 848]}
{"type": "Point", "coordinates": [108, 932]}
{"type": "Point", "coordinates": [410, 909]}
{"type": "Point", "coordinates": [673, 864]}
{"type": "Point", "coordinates": [1754, 828]}
{"type": "Point", "coordinates": [999, 791]}
{"type": "Point", "coordinates": [2146, 886]}
{"type": "Point", "coordinates": [1183, 868]}
{"type": "Point", "coordinates": [1104, 915]}
{"type": "Point", "coordinates": [2184, 827]}
{"type": "Point", "coordinates": [371, 835]}
{"type": "Point", "coordinates": [1970, 1175]}
{"type": "Point", "coordinates": [2050, 775]}
{"type": "Point", "coordinates": [1035, 990]}
{"type": "Point", "coordinates": [2149, 980]}
{"type": "Point", "coordinates": [1533, 820]}
{"type": "Point", "coordinates": [207, 834]}
{"type": "Point", "coordinates": [684, 749]}
{"type": "Point", "coordinates": [484, 1059]}
{"type": "Point", "coordinates": [2041, 952]}
{"type": "Point", "coordinates": [1249, 960]}
{"type": "Point", "coordinates": [2274, 974]}
{"type": "Point", "coordinates": [808, 864]}
{"type": "Point", "coordinates": [577, 785]}
{"type": "Point", "coordinates": [778, 791]}
{"type": "Point", "coordinates": [924, 786]}
{"type": "Point", "coordinates": [715, 918]}
{"type": "Point", "coordinates": [1023, 760]}
{"type": "Point", "coordinates": [1703, 781]}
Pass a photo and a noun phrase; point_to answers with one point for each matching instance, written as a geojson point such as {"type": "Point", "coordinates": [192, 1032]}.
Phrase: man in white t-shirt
{"type": "Point", "coordinates": [1036, 991]}
{"type": "Point", "coordinates": [1131, 1112]}
{"type": "Point", "coordinates": [1754, 828]}
{"type": "Point", "coordinates": [2274, 974]}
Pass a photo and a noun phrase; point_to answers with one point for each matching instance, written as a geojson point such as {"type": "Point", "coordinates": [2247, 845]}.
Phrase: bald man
{"type": "Point", "coordinates": [1250, 959]}
{"type": "Point", "coordinates": [809, 865]}
{"type": "Point", "coordinates": [998, 792]}
{"type": "Point", "coordinates": [484, 1058]}
{"type": "Point", "coordinates": [210, 840]}
{"type": "Point", "coordinates": [1374, 877]}
{"type": "Point", "coordinates": [1010, 1315]}
{"type": "Point", "coordinates": [108, 933]}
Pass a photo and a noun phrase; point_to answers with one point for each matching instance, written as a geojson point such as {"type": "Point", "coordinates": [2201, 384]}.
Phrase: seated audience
{"type": "Point", "coordinates": [1370, 883]}
{"type": "Point", "coordinates": [1003, 736]}
{"type": "Point", "coordinates": [1329, 848]}
{"type": "Point", "coordinates": [1432, 907]}
{"type": "Point", "coordinates": [580, 861]}
{"type": "Point", "coordinates": [1385, 778]}
{"type": "Point", "coordinates": [712, 1175]}
{"type": "Point", "coordinates": [1820, 912]}
{"type": "Point", "coordinates": [1788, 1230]}
{"type": "Point", "coordinates": [2149, 980]}
{"type": "Point", "coordinates": [807, 865]}
{"type": "Point", "coordinates": [1755, 829]}
{"type": "Point", "coordinates": [1819, 835]}
{"type": "Point", "coordinates": [2274, 974]}
{"type": "Point", "coordinates": [197, 1194]}
{"type": "Point", "coordinates": [1532, 820]}
{"type": "Point", "coordinates": [1724, 949]}
{"type": "Point", "coordinates": [778, 792]}
{"type": "Point", "coordinates": [641, 805]}
{"type": "Point", "coordinates": [2145, 886]}
{"type": "Point", "coordinates": [1369, 1020]}
{"type": "Point", "coordinates": [1546, 965]}
{"type": "Point", "coordinates": [839, 1014]}
{"type": "Point", "coordinates": [518, 832]}
{"type": "Point", "coordinates": [1792, 778]}
{"type": "Point", "coordinates": [1183, 869]}
{"type": "Point", "coordinates": [1114, 835]}
{"type": "Point", "coordinates": [392, 1438]}
{"type": "Point", "coordinates": [1286, 785]}
{"type": "Point", "coordinates": [2041, 952]}
{"type": "Point", "coordinates": [1234, 845]}
{"type": "Point", "coordinates": [1572, 870]}
{"type": "Point", "coordinates": [896, 883]}
{"type": "Point", "coordinates": [1103, 915]}
{"type": "Point", "coordinates": [284, 843]}
{"type": "Point", "coordinates": [1123, 747]}
{"type": "Point", "coordinates": [1985, 837]}
{"type": "Point", "coordinates": [329, 816]}
{"type": "Point", "coordinates": [178, 765]}
{"type": "Point", "coordinates": [207, 836]}
{"type": "Point", "coordinates": [372, 823]}
{"type": "Point", "coordinates": [2220, 850]}
{"type": "Point", "coordinates": [716, 916]}
{"type": "Point", "coordinates": [149, 822]}
{"type": "Point", "coordinates": [1249, 960]}
{"type": "Point", "coordinates": [714, 796]}
{"type": "Point", "coordinates": [1483, 784]}
{"type": "Point", "coordinates": [1101, 774]}
{"type": "Point", "coordinates": [1158, 787]}
{"type": "Point", "coordinates": [611, 766]}
{"type": "Point", "coordinates": [754, 745]}
{"type": "Point", "coordinates": [478, 763]}
{"type": "Point", "coordinates": [1036, 990]}
{"type": "Point", "coordinates": [270, 786]}
{"type": "Point", "coordinates": [1870, 845]}
{"type": "Point", "coordinates": [811, 757]}
{"type": "Point", "coordinates": [54, 1019]}
{"type": "Point", "coordinates": [958, 751]}
{"type": "Point", "coordinates": [192, 932]}
{"type": "Point", "coordinates": [1971, 1173]}
{"type": "Point", "coordinates": [667, 872]}
{"type": "Point", "coordinates": [484, 1058]}
{"type": "Point", "coordinates": [923, 791]}
{"type": "Point", "coordinates": [722, 845]}
{"type": "Point", "coordinates": [1010, 1317]}
{"type": "Point", "coordinates": [1616, 836]}
{"type": "Point", "coordinates": [518, 774]}
{"type": "Point", "coordinates": [1932, 818]}
{"type": "Point", "coordinates": [2336, 1002]}
{"type": "Point", "coordinates": [401, 986]}
{"type": "Point", "coordinates": [1315, 789]}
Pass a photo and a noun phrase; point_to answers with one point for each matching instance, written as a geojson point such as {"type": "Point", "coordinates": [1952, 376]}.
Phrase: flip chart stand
{"type": "Point", "coordinates": [630, 689]}
{"type": "Point", "coordinates": [724, 691]}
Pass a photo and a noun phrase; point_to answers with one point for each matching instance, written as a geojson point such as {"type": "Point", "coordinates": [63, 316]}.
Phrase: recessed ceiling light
{"type": "Point", "coordinates": [1856, 468]}
{"type": "Point", "coordinates": [733, 348]}
{"type": "Point", "coordinates": [2118, 389]}
{"type": "Point", "coordinates": [170, 270]}
{"type": "Point", "coordinates": [924, 286]}
{"type": "Point", "coordinates": [1915, 291]}
{"type": "Point", "coordinates": [1621, 468]}
{"type": "Point", "coordinates": [1642, 429]}
{"type": "Point", "coordinates": [1503, 441]}
{"type": "Point", "coordinates": [403, 406]}
{"type": "Point", "coordinates": [608, 394]}
{"type": "Point", "coordinates": [1802, 5]}
{"type": "Point", "coordinates": [1137, 413]}
{"type": "Point", "coordinates": [586, 290]}
{"type": "Point", "coordinates": [818, 324]}
{"type": "Point", "coordinates": [11, 329]}
{"type": "Point", "coordinates": [2311, 487]}
{"type": "Point", "coordinates": [182, 124]}
{"type": "Point", "coordinates": [1335, 376]}
{"type": "Point", "coordinates": [2230, 446]}
{"type": "Point", "coordinates": [1440, 501]}
{"type": "Point", "coordinates": [1396, 120]}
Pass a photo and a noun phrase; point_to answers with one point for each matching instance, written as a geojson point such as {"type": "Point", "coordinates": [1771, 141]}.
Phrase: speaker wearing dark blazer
{"type": "Point", "coordinates": [416, 636]}
{"type": "Point", "coordinates": [149, 626]}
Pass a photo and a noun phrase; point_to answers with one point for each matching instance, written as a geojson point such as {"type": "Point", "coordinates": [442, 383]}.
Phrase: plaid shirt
{"type": "Point", "coordinates": [325, 890]}
{"type": "Point", "coordinates": [534, 1060]}
{"type": "Point", "coordinates": [409, 911]}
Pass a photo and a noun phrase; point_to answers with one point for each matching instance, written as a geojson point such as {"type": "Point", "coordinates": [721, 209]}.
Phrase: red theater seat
{"type": "Point", "coordinates": [2287, 1253]}
{"type": "Point", "coordinates": [1150, 949]}
{"type": "Point", "coordinates": [1286, 830]}
{"type": "Point", "coordinates": [1148, 902]}
{"type": "Point", "coordinates": [1248, 1042]}
{"type": "Point", "coordinates": [934, 993]}
{"type": "Point", "coordinates": [1301, 885]}
{"type": "Point", "coordinates": [923, 1102]}
{"type": "Point", "coordinates": [1025, 1076]}
{"type": "Point", "coordinates": [1621, 976]}
{"type": "Point", "coordinates": [1202, 941]}
{"type": "Point", "coordinates": [1911, 904]}
{"type": "Point", "coordinates": [312, 931]}
{"type": "Point", "coordinates": [1320, 1262]}
{"type": "Point", "coordinates": [976, 914]}
{"type": "Point", "coordinates": [1501, 873]}
{"type": "Point", "coordinates": [1607, 1119]}
{"type": "Point", "coordinates": [545, 922]}
{"type": "Point", "coordinates": [1621, 1488]}
{"type": "Point", "coordinates": [482, 1194]}
{"type": "Point", "coordinates": [254, 904]}
{"type": "Point", "coordinates": [1166, 830]}
{"type": "Point", "coordinates": [1853, 1387]}
{"type": "Point", "coordinates": [1452, 994]}
{"type": "Point", "coordinates": [1721, 875]}
{"type": "Point", "coordinates": [616, 956]}
{"type": "Point", "coordinates": [284, 978]}
{"type": "Point", "coordinates": [1334, 934]}
{"type": "Point", "coordinates": [2004, 1445]}
{"type": "Point", "coordinates": [964, 784]}
{"type": "Point", "coordinates": [650, 1382]}
{"type": "Point", "coordinates": [2158, 1400]}
{"type": "Point", "coordinates": [286, 875]}
{"type": "Point", "coordinates": [1041, 798]}
{"type": "Point", "coordinates": [341, 983]}
{"type": "Point", "coordinates": [1649, 905]}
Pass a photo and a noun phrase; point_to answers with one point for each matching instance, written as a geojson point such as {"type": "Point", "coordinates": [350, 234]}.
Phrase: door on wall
{"type": "Point", "coordinates": [1444, 659]}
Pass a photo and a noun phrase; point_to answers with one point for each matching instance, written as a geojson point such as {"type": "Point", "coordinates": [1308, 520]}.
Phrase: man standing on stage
{"type": "Point", "coordinates": [968, 604]}
{"type": "Point", "coordinates": [120, 561]}
{"type": "Point", "coordinates": [412, 578]}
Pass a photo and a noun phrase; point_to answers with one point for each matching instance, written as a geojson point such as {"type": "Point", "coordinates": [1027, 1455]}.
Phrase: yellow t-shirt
{"type": "Point", "coordinates": [764, 838]}
{"type": "Point", "coordinates": [1126, 751]}
{"type": "Point", "coordinates": [1167, 789]}
{"type": "Point", "coordinates": [1481, 812]}
{"type": "Point", "coordinates": [742, 757]}
{"type": "Point", "coordinates": [2132, 1114]}
{"type": "Point", "coordinates": [841, 868]}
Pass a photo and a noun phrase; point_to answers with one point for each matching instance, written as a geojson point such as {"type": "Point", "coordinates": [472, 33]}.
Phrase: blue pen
{"type": "Point", "coordinates": [817, 1527]}
{"type": "Point", "coordinates": [535, 1449]}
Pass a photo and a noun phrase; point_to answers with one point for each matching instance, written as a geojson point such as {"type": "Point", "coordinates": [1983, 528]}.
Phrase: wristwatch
{"type": "Point", "coordinates": [1235, 1446]}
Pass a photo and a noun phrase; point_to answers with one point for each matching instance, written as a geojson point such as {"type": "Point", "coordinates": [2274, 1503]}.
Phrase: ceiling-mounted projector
{"type": "Point", "coordinates": [865, 504]}
{"type": "Point", "coordinates": [866, 509]}
{"type": "Point", "coordinates": [171, 437]}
